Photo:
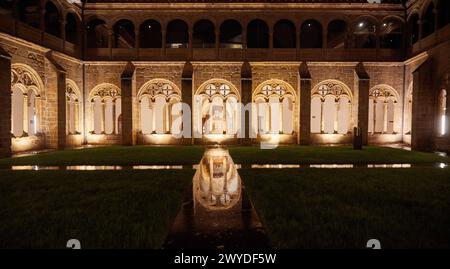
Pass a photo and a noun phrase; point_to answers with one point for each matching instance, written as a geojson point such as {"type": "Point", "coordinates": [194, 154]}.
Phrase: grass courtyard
{"type": "Point", "coordinates": [102, 209]}
{"type": "Point", "coordinates": [186, 155]}
{"type": "Point", "coordinates": [300, 208]}
{"type": "Point", "coordinates": [343, 208]}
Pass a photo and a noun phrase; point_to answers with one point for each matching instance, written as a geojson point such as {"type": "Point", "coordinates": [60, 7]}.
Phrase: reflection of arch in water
{"type": "Point", "coordinates": [217, 185]}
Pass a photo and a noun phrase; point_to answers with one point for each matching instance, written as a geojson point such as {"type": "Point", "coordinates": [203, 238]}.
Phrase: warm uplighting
{"type": "Point", "coordinates": [443, 124]}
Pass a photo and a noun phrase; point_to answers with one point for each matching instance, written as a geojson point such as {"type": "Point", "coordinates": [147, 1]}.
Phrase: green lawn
{"type": "Point", "coordinates": [114, 155]}
{"type": "Point", "coordinates": [102, 209]}
{"type": "Point", "coordinates": [120, 155]}
{"type": "Point", "coordinates": [330, 155]}
{"type": "Point", "coordinates": [343, 208]}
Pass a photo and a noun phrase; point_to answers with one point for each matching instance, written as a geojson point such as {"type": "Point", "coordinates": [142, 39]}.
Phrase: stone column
{"type": "Point", "coordinates": [26, 122]}
{"type": "Point", "coordinates": [77, 117]}
{"type": "Point", "coordinates": [103, 116]}
{"type": "Point", "coordinates": [114, 116]}
{"type": "Point", "coordinates": [423, 108]}
{"type": "Point", "coordinates": [362, 81]}
{"type": "Point", "coordinates": [385, 117]}
{"type": "Point", "coordinates": [304, 135]}
{"type": "Point", "coordinates": [217, 32]}
{"type": "Point", "coordinates": [163, 42]}
{"type": "Point", "coordinates": [5, 104]}
{"type": "Point", "coordinates": [128, 135]}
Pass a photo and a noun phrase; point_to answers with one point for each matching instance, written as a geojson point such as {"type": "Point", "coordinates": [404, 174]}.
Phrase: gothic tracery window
{"type": "Point", "coordinates": [217, 110]}
{"type": "Point", "coordinates": [26, 101]}
{"type": "Point", "coordinates": [383, 102]}
{"type": "Point", "coordinates": [331, 108]}
{"type": "Point", "coordinates": [158, 101]}
{"type": "Point", "coordinates": [105, 109]}
{"type": "Point", "coordinates": [73, 112]}
{"type": "Point", "coordinates": [274, 114]}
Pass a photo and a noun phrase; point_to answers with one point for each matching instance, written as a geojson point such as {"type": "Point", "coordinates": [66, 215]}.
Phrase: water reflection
{"type": "Point", "coordinates": [216, 213]}
{"type": "Point", "coordinates": [216, 183]}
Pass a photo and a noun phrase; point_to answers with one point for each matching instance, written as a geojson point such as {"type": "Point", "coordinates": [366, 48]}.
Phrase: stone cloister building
{"type": "Point", "coordinates": [116, 72]}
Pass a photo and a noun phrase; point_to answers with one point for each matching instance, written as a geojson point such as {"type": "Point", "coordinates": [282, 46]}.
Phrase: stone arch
{"type": "Point", "coordinates": [275, 107]}
{"type": "Point", "coordinates": [384, 110]}
{"type": "Point", "coordinates": [157, 99]}
{"type": "Point", "coordinates": [331, 107]}
{"type": "Point", "coordinates": [73, 107]}
{"type": "Point", "coordinates": [104, 109]}
{"type": "Point", "coordinates": [218, 82]}
{"type": "Point", "coordinates": [216, 108]}
{"type": "Point", "coordinates": [26, 109]}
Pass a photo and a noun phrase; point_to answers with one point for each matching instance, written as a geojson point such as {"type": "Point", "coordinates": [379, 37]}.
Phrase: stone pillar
{"type": "Point", "coordinates": [217, 32]}
{"type": "Point", "coordinates": [362, 82]}
{"type": "Point", "coordinates": [58, 85]}
{"type": "Point", "coordinates": [163, 42]}
{"type": "Point", "coordinates": [304, 135]}
{"type": "Point", "coordinates": [246, 93]}
{"type": "Point", "coordinates": [114, 116]}
{"type": "Point", "coordinates": [26, 122]}
{"type": "Point", "coordinates": [423, 108]}
{"type": "Point", "coordinates": [5, 104]}
{"type": "Point", "coordinates": [186, 95]}
{"type": "Point", "coordinates": [128, 134]}
{"type": "Point", "coordinates": [103, 117]}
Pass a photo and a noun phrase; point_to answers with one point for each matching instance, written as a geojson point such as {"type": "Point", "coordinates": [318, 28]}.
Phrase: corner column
{"type": "Point", "coordinates": [423, 108]}
{"type": "Point", "coordinates": [5, 104]}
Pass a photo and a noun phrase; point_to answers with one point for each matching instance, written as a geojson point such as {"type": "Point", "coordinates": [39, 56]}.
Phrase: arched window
{"type": "Point", "coordinates": [231, 34]}
{"type": "Point", "coordinates": [284, 34]}
{"type": "Point", "coordinates": [26, 100]}
{"type": "Point", "coordinates": [124, 36]}
{"type": "Point", "coordinates": [443, 121]}
{"type": "Point", "coordinates": [105, 109]}
{"type": "Point", "coordinates": [150, 34]}
{"type": "Point", "coordinates": [365, 33]}
{"type": "Point", "coordinates": [331, 108]}
{"type": "Point", "coordinates": [216, 108]}
{"type": "Point", "coordinates": [383, 110]}
{"type": "Point", "coordinates": [204, 34]}
{"type": "Point", "coordinates": [257, 34]}
{"type": "Point", "coordinates": [337, 34]}
{"type": "Point", "coordinates": [428, 21]}
{"type": "Point", "coordinates": [274, 101]}
{"type": "Point", "coordinates": [52, 20]}
{"type": "Point", "coordinates": [413, 28]}
{"type": "Point", "coordinates": [73, 111]}
{"type": "Point", "coordinates": [391, 34]}
{"type": "Point", "coordinates": [160, 108]}
{"type": "Point", "coordinates": [177, 34]}
{"type": "Point", "coordinates": [97, 34]}
{"type": "Point", "coordinates": [443, 9]}
{"type": "Point", "coordinates": [71, 28]}
{"type": "Point", "coordinates": [30, 12]}
{"type": "Point", "coordinates": [311, 34]}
